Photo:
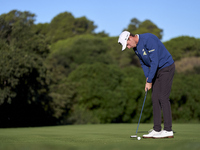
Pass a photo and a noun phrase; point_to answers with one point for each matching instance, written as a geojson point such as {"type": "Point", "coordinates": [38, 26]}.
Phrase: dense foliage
{"type": "Point", "coordinates": [146, 26]}
{"type": "Point", "coordinates": [63, 72]}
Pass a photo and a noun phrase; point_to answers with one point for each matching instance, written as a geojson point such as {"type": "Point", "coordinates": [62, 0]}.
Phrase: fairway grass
{"type": "Point", "coordinates": [97, 137]}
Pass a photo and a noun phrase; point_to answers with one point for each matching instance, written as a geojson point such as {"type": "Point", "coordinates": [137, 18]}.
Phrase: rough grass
{"type": "Point", "coordinates": [97, 137]}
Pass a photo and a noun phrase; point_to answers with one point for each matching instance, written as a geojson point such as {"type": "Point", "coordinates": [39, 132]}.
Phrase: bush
{"type": "Point", "coordinates": [185, 98]}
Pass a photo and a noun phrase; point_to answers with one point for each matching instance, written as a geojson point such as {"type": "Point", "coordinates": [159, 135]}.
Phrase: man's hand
{"type": "Point", "coordinates": [148, 85]}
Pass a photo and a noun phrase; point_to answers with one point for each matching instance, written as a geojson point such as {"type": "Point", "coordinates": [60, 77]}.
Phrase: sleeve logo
{"type": "Point", "coordinates": [151, 50]}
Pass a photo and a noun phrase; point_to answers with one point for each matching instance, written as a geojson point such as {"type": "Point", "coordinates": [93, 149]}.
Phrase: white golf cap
{"type": "Point", "coordinates": [123, 39]}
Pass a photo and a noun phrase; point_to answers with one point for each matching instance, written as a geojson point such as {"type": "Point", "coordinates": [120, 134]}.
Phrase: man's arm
{"type": "Point", "coordinates": [145, 68]}
{"type": "Point", "coordinates": [153, 54]}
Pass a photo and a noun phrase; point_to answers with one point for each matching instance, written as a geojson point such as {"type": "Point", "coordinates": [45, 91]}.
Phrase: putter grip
{"type": "Point", "coordinates": [146, 91]}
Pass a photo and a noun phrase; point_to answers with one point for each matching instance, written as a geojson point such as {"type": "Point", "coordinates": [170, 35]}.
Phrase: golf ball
{"type": "Point", "coordinates": [138, 138]}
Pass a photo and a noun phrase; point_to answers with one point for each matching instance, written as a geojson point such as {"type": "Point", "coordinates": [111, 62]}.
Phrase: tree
{"type": "Point", "coordinates": [106, 94]}
{"type": "Point", "coordinates": [98, 95]}
{"type": "Point", "coordinates": [64, 25]}
{"type": "Point", "coordinates": [121, 58]}
{"type": "Point", "coordinates": [41, 28]}
{"type": "Point", "coordinates": [22, 71]}
{"type": "Point", "coordinates": [185, 97]}
{"type": "Point", "coordinates": [137, 27]}
{"type": "Point", "coordinates": [102, 34]}
{"type": "Point", "coordinates": [83, 25]}
{"type": "Point", "coordinates": [61, 26]}
{"type": "Point", "coordinates": [72, 52]}
{"type": "Point", "coordinates": [183, 46]}
{"type": "Point", "coordinates": [133, 91]}
{"type": "Point", "coordinates": [132, 27]}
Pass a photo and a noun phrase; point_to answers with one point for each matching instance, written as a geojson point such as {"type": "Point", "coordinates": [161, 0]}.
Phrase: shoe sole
{"type": "Point", "coordinates": [163, 137]}
{"type": "Point", "coordinates": [147, 137]}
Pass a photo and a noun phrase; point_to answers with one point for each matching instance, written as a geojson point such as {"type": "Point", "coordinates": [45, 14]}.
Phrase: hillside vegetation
{"type": "Point", "coordinates": [63, 72]}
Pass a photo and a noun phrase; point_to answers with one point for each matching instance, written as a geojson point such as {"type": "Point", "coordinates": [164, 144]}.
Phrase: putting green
{"type": "Point", "coordinates": [97, 137]}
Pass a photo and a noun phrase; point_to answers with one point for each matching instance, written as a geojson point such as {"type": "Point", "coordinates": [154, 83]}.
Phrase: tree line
{"type": "Point", "coordinates": [63, 72]}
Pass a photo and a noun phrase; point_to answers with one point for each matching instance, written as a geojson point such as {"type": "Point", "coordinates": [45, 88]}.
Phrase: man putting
{"type": "Point", "coordinates": [159, 68]}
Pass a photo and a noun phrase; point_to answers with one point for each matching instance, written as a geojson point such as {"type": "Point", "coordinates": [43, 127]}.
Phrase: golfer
{"type": "Point", "coordinates": [159, 68]}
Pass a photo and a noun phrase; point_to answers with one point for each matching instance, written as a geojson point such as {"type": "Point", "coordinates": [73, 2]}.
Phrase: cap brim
{"type": "Point", "coordinates": [124, 46]}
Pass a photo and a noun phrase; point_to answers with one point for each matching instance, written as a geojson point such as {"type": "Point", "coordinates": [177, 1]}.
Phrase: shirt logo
{"type": "Point", "coordinates": [144, 53]}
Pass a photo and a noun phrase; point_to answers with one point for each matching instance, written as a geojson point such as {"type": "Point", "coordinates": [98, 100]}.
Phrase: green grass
{"type": "Point", "coordinates": [97, 137]}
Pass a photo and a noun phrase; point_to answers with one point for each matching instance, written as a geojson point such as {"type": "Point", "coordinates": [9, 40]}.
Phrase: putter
{"type": "Point", "coordinates": [134, 136]}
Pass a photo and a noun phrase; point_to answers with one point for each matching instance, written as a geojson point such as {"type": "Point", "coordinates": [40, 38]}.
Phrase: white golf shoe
{"type": "Point", "coordinates": [164, 134]}
{"type": "Point", "coordinates": [151, 134]}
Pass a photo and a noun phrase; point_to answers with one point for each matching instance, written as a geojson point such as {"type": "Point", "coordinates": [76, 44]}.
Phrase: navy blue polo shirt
{"type": "Point", "coordinates": [152, 54]}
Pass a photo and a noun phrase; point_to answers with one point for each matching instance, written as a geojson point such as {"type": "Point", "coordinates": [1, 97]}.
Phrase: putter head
{"type": "Point", "coordinates": [133, 136]}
